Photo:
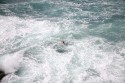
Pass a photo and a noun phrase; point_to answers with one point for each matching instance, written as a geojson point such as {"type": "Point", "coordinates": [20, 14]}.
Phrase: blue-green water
{"type": "Point", "coordinates": [62, 41]}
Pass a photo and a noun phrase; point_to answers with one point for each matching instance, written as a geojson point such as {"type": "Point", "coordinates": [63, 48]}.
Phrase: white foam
{"type": "Point", "coordinates": [11, 62]}
{"type": "Point", "coordinates": [88, 60]}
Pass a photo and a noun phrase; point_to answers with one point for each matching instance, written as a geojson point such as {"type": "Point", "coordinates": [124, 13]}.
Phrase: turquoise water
{"type": "Point", "coordinates": [62, 41]}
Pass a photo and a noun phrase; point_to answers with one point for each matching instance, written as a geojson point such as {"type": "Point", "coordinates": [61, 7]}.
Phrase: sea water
{"type": "Point", "coordinates": [62, 41]}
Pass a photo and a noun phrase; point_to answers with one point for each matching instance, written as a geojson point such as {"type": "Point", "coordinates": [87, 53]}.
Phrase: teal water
{"type": "Point", "coordinates": [32, 33]}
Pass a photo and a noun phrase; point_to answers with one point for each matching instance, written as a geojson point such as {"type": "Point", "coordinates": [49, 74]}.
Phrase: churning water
{"type": "Point", "coordinates": [62, 41]}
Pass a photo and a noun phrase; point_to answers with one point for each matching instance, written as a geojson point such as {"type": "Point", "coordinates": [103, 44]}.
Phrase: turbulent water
{"type": "Point", "coordinates": [62, 41]}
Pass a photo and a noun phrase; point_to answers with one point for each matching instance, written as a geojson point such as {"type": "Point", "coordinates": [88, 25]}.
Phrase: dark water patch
{"type": "Point", "coordinates": [62, 50]}
{"type": "Point", "coordinates": [46, 9]}
{"type": "Point", "coordinates": [62, 46]}
{"type": "Point", "coordinates": [116, 32]}
{"type": "Point", "coordinates": [33, 9]}
{"type": "Point", "coordinates": [115, 18]}
{"type": "Point", "coordinates": [42, 6]}
{"type": "Point", "coordinates": [2, 75]}
{"type": "Point", "coordinates": [85, 1]}
{"type": "Point", "coordinates": [92, 72]}
{"type": "Point", "coordinates": [12, 1]}
{"type": "Point", "coordinates": [22, 71]}
{"type": "Point", "coordinates": [112, 30]}
{"type": "Point", "coordinates": [56, 13]}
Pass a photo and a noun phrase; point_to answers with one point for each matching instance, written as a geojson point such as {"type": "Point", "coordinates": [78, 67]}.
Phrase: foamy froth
{"type": "Point", "coordinates": [32, 52]}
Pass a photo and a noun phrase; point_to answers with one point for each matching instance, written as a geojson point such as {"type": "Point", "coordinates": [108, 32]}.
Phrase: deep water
{"type": "Point", "coordinates": [62, 41]}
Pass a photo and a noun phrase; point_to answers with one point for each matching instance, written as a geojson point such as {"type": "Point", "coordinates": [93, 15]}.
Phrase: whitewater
{"type": "Point", "coordinates": [62, 41]}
